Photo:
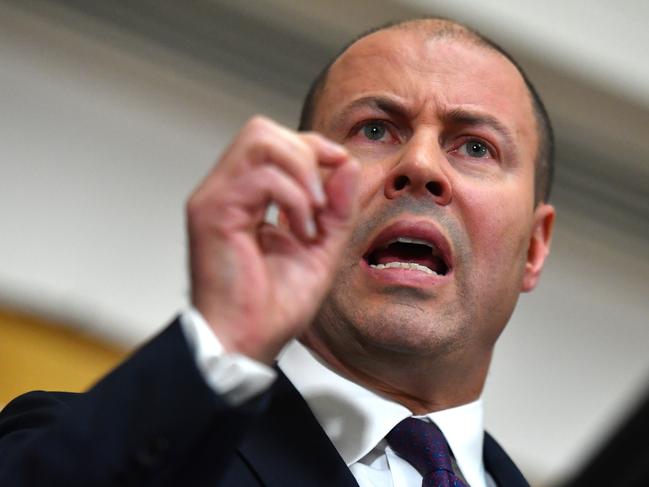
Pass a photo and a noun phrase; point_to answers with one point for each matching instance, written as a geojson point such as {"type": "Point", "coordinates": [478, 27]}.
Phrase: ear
{"type": "Point", "coordinates": [539, 246]}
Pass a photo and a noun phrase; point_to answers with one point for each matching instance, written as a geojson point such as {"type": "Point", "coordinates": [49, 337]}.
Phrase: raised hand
{"type": "Point", "coordinates": [256, 284]}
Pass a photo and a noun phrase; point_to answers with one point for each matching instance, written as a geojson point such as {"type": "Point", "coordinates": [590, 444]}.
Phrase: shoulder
{"type": "Point", "coordinates": [34, 409]}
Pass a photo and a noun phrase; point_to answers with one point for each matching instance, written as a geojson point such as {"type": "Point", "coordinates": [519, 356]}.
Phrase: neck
{"type": "Point", "coordinates": [423, 384]}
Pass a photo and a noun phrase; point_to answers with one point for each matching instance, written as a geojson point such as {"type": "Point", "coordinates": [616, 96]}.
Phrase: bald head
{"type": "Point", "coordinates": [436, 28]}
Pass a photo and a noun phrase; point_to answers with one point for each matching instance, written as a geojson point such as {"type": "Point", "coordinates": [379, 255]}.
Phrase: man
{"type": "Point", "coordinates": [410, 220]}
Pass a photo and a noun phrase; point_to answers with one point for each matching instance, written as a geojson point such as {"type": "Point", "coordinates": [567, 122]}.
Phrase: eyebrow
{"type": "Point", "coordinates": [461, 116]}
{"type": "Point", "coordinates": [383, 104]}
{"type": "Point", "coordinates": [456, 116]}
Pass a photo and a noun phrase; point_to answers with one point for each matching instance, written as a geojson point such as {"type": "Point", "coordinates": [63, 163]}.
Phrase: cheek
{"type": "Point", "coordinates": [372, 183]}
{"type": "Point", "coordinates": [498, 225]}
{"type": "Point", "coordinates": [498, 231]}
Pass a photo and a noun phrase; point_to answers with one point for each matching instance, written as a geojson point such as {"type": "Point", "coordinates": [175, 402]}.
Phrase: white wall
{"type": "Point", "coordinates": [100, 148]}
{"type": "Point", "coordinates": [574, 357]}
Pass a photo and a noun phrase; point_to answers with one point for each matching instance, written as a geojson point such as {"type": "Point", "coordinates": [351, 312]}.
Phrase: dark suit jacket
{"type": "Point", "coordinates": [154, 421]}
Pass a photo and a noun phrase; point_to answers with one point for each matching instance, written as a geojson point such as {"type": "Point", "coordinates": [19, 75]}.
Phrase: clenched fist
{"type": "Point", "coordinates": [258, 285]}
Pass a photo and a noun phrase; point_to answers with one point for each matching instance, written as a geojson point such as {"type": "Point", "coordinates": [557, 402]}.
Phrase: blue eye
{"type": "Point", "coordinates": [374, 130]}
{"type": "Point", "coordinates": [475, 148]}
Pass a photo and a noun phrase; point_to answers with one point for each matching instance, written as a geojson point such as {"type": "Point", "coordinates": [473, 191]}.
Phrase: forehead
{"type": "Point", "coordinates": [429, 75]}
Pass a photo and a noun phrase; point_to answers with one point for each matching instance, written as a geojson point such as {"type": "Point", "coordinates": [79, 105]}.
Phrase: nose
{"type": "Point", "coordinates": [419, 172]}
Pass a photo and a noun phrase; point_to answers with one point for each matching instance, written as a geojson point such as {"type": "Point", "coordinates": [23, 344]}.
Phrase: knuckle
{"type": "Point", "coordinates": [311, 135]}
{"type": "Point", "coordinates": [262, 143]}
{"type": "Point", "coordinates": [257, 124]}
{"type": "Point", "coordinates": [315, 138]}
{"type": "Point", "coordinates": [193, 204]}
{"type": "Point", "coordinates": [201, 205]}
{"type": "Point", "coordinates": [307, 158]}
{"type": "Point", "coordinates": [195, 208]}
{"type": "Point", "coordinates": [268, 173]}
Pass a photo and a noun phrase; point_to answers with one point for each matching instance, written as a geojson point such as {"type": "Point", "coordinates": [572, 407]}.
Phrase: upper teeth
{"type": "Point", "coordinates": [412, 241]}
{"type": "Point", "coordinates": [407, 265]}
{"type": "Point", "coordinates": [404, 265]}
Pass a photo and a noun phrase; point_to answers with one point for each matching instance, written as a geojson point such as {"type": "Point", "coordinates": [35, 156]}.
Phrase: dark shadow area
{"type": "Point", "coordinates": [623, 461]}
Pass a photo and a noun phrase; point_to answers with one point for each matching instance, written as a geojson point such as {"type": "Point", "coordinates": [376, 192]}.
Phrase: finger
{"type": "Point", "coordinates": [329, 153]}
{"type": "Point", "coordinates": [342, 192]}
{"type": "Point", "coordinates": [297, 154]}
{"type": "Point", "coordinates": [326, 151]}
{"type": "Point", "coordinates": [295, 158]}
{"type": "Point", "coordinates": [262, 141]}
{"type": "Point", "coordinates": [265, 184]}
{"type": "Point", "coordinates": [337, 219]}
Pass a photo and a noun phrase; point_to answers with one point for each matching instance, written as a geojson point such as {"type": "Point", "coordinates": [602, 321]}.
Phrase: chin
{"type": "Point", "coordinates": [406, 330]}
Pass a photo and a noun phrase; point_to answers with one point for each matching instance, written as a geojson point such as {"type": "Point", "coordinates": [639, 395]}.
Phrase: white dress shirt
{"type": "Point", "coordinates": [355, 419]}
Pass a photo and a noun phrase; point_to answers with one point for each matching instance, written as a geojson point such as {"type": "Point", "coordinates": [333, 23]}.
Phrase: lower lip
{"type": "Point", "coordinates": [404, 277]}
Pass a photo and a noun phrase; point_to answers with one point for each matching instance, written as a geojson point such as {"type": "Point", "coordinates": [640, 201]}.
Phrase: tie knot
{"type": "Point", "coordinates": [421, 444]}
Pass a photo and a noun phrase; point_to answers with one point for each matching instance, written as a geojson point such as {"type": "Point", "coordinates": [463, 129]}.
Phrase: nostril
{"type": "Point", "coordinates": [434, 188]}
{"type": "Point", "coordinates": [400, 183]}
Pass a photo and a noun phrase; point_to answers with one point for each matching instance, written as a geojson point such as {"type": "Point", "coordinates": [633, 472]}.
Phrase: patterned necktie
{"type": "Point", "coordinates": [423, 445]}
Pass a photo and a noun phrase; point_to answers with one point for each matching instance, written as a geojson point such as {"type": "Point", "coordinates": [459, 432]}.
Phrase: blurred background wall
{"type": "Point", "coordinates": [113, 111]}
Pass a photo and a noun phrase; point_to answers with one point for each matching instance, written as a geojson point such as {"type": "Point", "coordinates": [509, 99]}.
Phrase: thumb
{"type": "Point", "coordinates": [342, 194]}
{"type": "Point", "coordinates": [337, 218]}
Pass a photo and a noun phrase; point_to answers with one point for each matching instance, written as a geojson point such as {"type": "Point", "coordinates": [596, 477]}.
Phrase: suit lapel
{"type": "Point", "coordinates": [286, 446]}
{"type": "Point", "coordinates": [500, 466]}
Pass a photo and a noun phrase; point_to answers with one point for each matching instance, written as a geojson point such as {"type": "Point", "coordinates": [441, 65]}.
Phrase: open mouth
{"type": "Point", "coordinates": [423, 251]}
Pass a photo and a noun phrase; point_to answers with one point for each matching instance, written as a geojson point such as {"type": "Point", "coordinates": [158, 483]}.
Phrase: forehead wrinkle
{"type": "Point", "coordinates": [421, 67]}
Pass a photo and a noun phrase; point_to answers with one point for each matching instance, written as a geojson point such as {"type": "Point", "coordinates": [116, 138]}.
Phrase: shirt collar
{"type": "Point", "coordinates": [357, 419]}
